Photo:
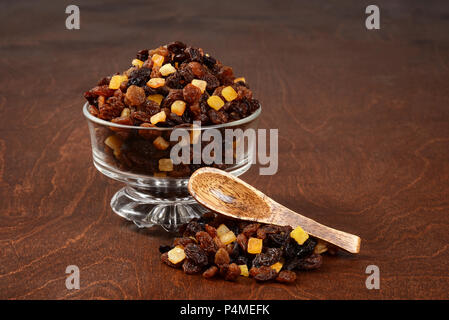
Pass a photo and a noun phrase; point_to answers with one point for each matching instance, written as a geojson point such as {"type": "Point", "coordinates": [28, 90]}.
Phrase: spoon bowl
{"type": "Point", "coordinates": [228, 195]}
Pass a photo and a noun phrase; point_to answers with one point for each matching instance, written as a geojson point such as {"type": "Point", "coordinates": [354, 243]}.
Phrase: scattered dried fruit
{"type": "Point", "coordinates": [176, 255]}
{"type": "Point", "coordinates": [299, 235]}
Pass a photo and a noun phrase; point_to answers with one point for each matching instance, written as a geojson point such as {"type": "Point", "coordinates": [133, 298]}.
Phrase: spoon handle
{"type": "Point", "coordinates": [344, 240]}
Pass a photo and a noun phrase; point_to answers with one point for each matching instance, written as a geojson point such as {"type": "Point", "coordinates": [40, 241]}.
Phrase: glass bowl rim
{"type": "Point", "coordinates": [215, 126]}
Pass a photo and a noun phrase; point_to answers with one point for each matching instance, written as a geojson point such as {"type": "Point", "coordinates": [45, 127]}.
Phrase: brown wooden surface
{"type": "Point", "coordinates": [364, 142]}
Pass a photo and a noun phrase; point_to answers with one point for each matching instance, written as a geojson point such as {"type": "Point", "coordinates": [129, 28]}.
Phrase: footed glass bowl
{"type": "Point", "coordinates": [156, 189]}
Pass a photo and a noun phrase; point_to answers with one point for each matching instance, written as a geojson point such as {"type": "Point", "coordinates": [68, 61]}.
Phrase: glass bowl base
{"type": "Point", "coordinates": [147, 210]}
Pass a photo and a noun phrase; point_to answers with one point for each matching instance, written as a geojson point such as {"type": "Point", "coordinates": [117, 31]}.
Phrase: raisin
{"type": "Point", "coordinates": [192, 228]}
{"type": "Point", "coordinates": [110, 111]}
{"type": "Point", "coordinates": [210, 273]}
{"type": "Point", "coordinates": [173, 95]}
{"type": "Point", "coordinates": [233, 272]}
{"type": "Point", "coordinates": [222, 257]}
{"type": "Point", "coordinates": [264, 273]}
{"type": "Point", "coordinates": [278, 240]}
{"type": "Point", "coordinates": [206, 241]}
{"type": "Point", "coordinates": [212, 82]}
{"type": "Point", "coordinates": [242, 241]}
{"type": "Point", "coordinates": [93, 111]}
{"type": "Point", "coordinates": [250, 229]}
{"type": "Point", "coordinates": [190, 267]}
{"type": "Point", "coordinates": [241, 260]}
{"type": "Point", "coordinates": [191, 93]}
{"type": "Point", "coordinates": [226, 75]}
{"type": "Point", "coordinates": [196, 254]}
{"type": "Point", "coordinates": [293, 249]}
{"type": "Point", "coordinates": [211, 230]}
{"type": "Point", "coordinates": [176, 47]}
{"type": "Point", "coordinates": [142, 55]}
{"type": "Point", "coordinates": [148, 134]}
{"type": "Point", "coordinates": [312, 262]}
{"type": "Point", "coordinates": [197, 69]}
{"type": "Point", "coordinates": [193, 54]}
{"type": "Point", "coordinates": [286, 276]}
{"type": "Point", "coordinates": [139, 77]}
{"type": "Point", "coordinates": [217, 117]}
{"type": "Point", "coordinates": [122, 120]}
{"type": "Point", "coordinates": [269, 257]}
{"type": "Point", "coordinates": [102, 91]}
{"type": "Point", "coordinates": [134, 96]}
{"type": "Point", "coordinates": [184, 241]}
{"type": "Point", "coordinates": [209, 62]}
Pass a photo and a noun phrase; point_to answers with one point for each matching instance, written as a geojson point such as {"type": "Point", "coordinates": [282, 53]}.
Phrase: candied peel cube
{"type": "Point", "coordinates": [222, 229]}
{"type": "Point", "coordinates": [167, 69]}
{"type": "Point", "coordinates": [113, 142]}
{"type": "Point", "coordinates": [116, 81]}
{"type": "Point", "coordinates": [158, 60]}
{"type": "Point", "coordinates": [215, 102]}
{"type": "Point", "coordinates": [299, 235]}
{"type": "Point", "coordinates": [176, 255]}
{"type": "Point", "coordinates": [137, 63]}
{"type": "Point", "coordinates": [239, 79]}
{"type": "Point", "coordinates": [229, 93]}
{"type": "Point", "coordinates": [244, 270]}
{"type": "Point", "coordinates": [156, 82]}
{"type": "Point", "coordinates": [200, 84]}
{"type": "Point", "coordinates": [125, 112]}
{"type": "Point", "coordinates": [320, 247]}
{"type": "Point", "coordinates": [255, 245]}
{"type": "Point", "coordinates": [178, 107]}
{"type": "Point", "coordinates": [156, 98]}
{"type": "Point", "coordinates": [160, 143]}
{"type": "Point", "coordinates": [277, 266]}
{"type": "Point", "coordinates": [158, 117]}
{"type": "Point", "coordinates": [165, 165]}
{"type": "Point", "coordinates": [228, 238]}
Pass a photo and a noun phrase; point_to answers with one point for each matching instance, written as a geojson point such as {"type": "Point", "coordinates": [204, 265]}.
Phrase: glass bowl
{"type": "Point", "coordinates": [155, 193]}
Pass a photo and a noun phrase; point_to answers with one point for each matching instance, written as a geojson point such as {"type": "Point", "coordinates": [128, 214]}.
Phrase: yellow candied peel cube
{"type": "Point", "coordinates": [255, 245]}
{"type": "Point", "coordinates": [229, 93]}
{"type": "Point", "coordinates": [137, 63]}
{"type": "Point", "coordinates": [277, 266]}
{"type": "Point", "coordinates": [156, 98]}
{"type": "Point", "coordinates": [158, 60]}
{"type": "Point", "coordinates": [125, 112]}
{"type": "Point", "coordinates": [165, 165]}
{"type": "Point", "coordinates": [215, 102]}
{"type": "Point", "coordinates": [160, 143]}
{"type": "Point", "coordinates": [156, 82]}
{"type": "Point", "coordinates": [201, 84]}
{"type": "Point", "coordinates": [299, 235]}
{"type": "Point", "coordinates": [244, 270]}
{"type": "Point", "coordinates": [320, 247]}
{"type": "Point", "coordinates": [178, 107]}
{"type": "Point", "coordinates": [113, 142]}
{"type": "Point", "coordinates": [167, 69]}
{"type": "Point", "coordinates": [239, 79]}
{"type": "Point", "coordinates": [222, 229]}
{"type": "Point", "coordinates": [176, 255]}
{"type": "Point", "coordinates": [228, 238]}
{"type": "Point", "coordinates": [116, 81]}
{"type": "Point", "coordinates": [158, 117]}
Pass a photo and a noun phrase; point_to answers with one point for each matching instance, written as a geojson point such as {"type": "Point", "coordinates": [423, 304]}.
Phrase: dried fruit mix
{"type": "Point", "coordinates": [171, 86]}
{"type": "Point", "coordinates": [215, 246]}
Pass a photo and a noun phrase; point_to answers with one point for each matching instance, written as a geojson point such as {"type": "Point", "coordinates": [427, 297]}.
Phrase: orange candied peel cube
{"type": "Point", "coordinates": [116, 81]}
{"type": "Point", "coordinates": [160, 143]}
{"type": "Point", "coordinates": [299, 235]}
{"type": "Point", "coordinates": [201, 84]}
{"type": "Point", "coordinates": [222, 229]}
{"type": "Point", "coordinates": [277, 266]}
{"type": "Point", "coordinates": [229, 93]}
{"type": "Point", "coordinates": [167, 69]}
{"type": "Point", "coordinates": [156, 82]}
{"type": "Point", "coordinates": [137, 63]}
{"type": "Point", "coordinates": [156, 98]}
{"type": "Point", "coordinates": [215, 102]}
{"type": "Point", "coordinates": [255, 245]}
{"type": "Point", "coordinates": [158, 60]}
{"type": "Point", "coordinates": [165, 165]}
{"type": "Point", "coordinates": [178, 107]}
{"type": "Point", "coordinates": [158, 117]}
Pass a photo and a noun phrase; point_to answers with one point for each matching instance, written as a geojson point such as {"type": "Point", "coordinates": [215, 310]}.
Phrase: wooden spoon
{"type": "Point", "coordinates": [228, 195]}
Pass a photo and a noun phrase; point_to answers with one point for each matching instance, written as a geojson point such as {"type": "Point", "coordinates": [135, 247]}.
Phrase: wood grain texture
{"type": "Point", "coordinates": [363, 120]}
